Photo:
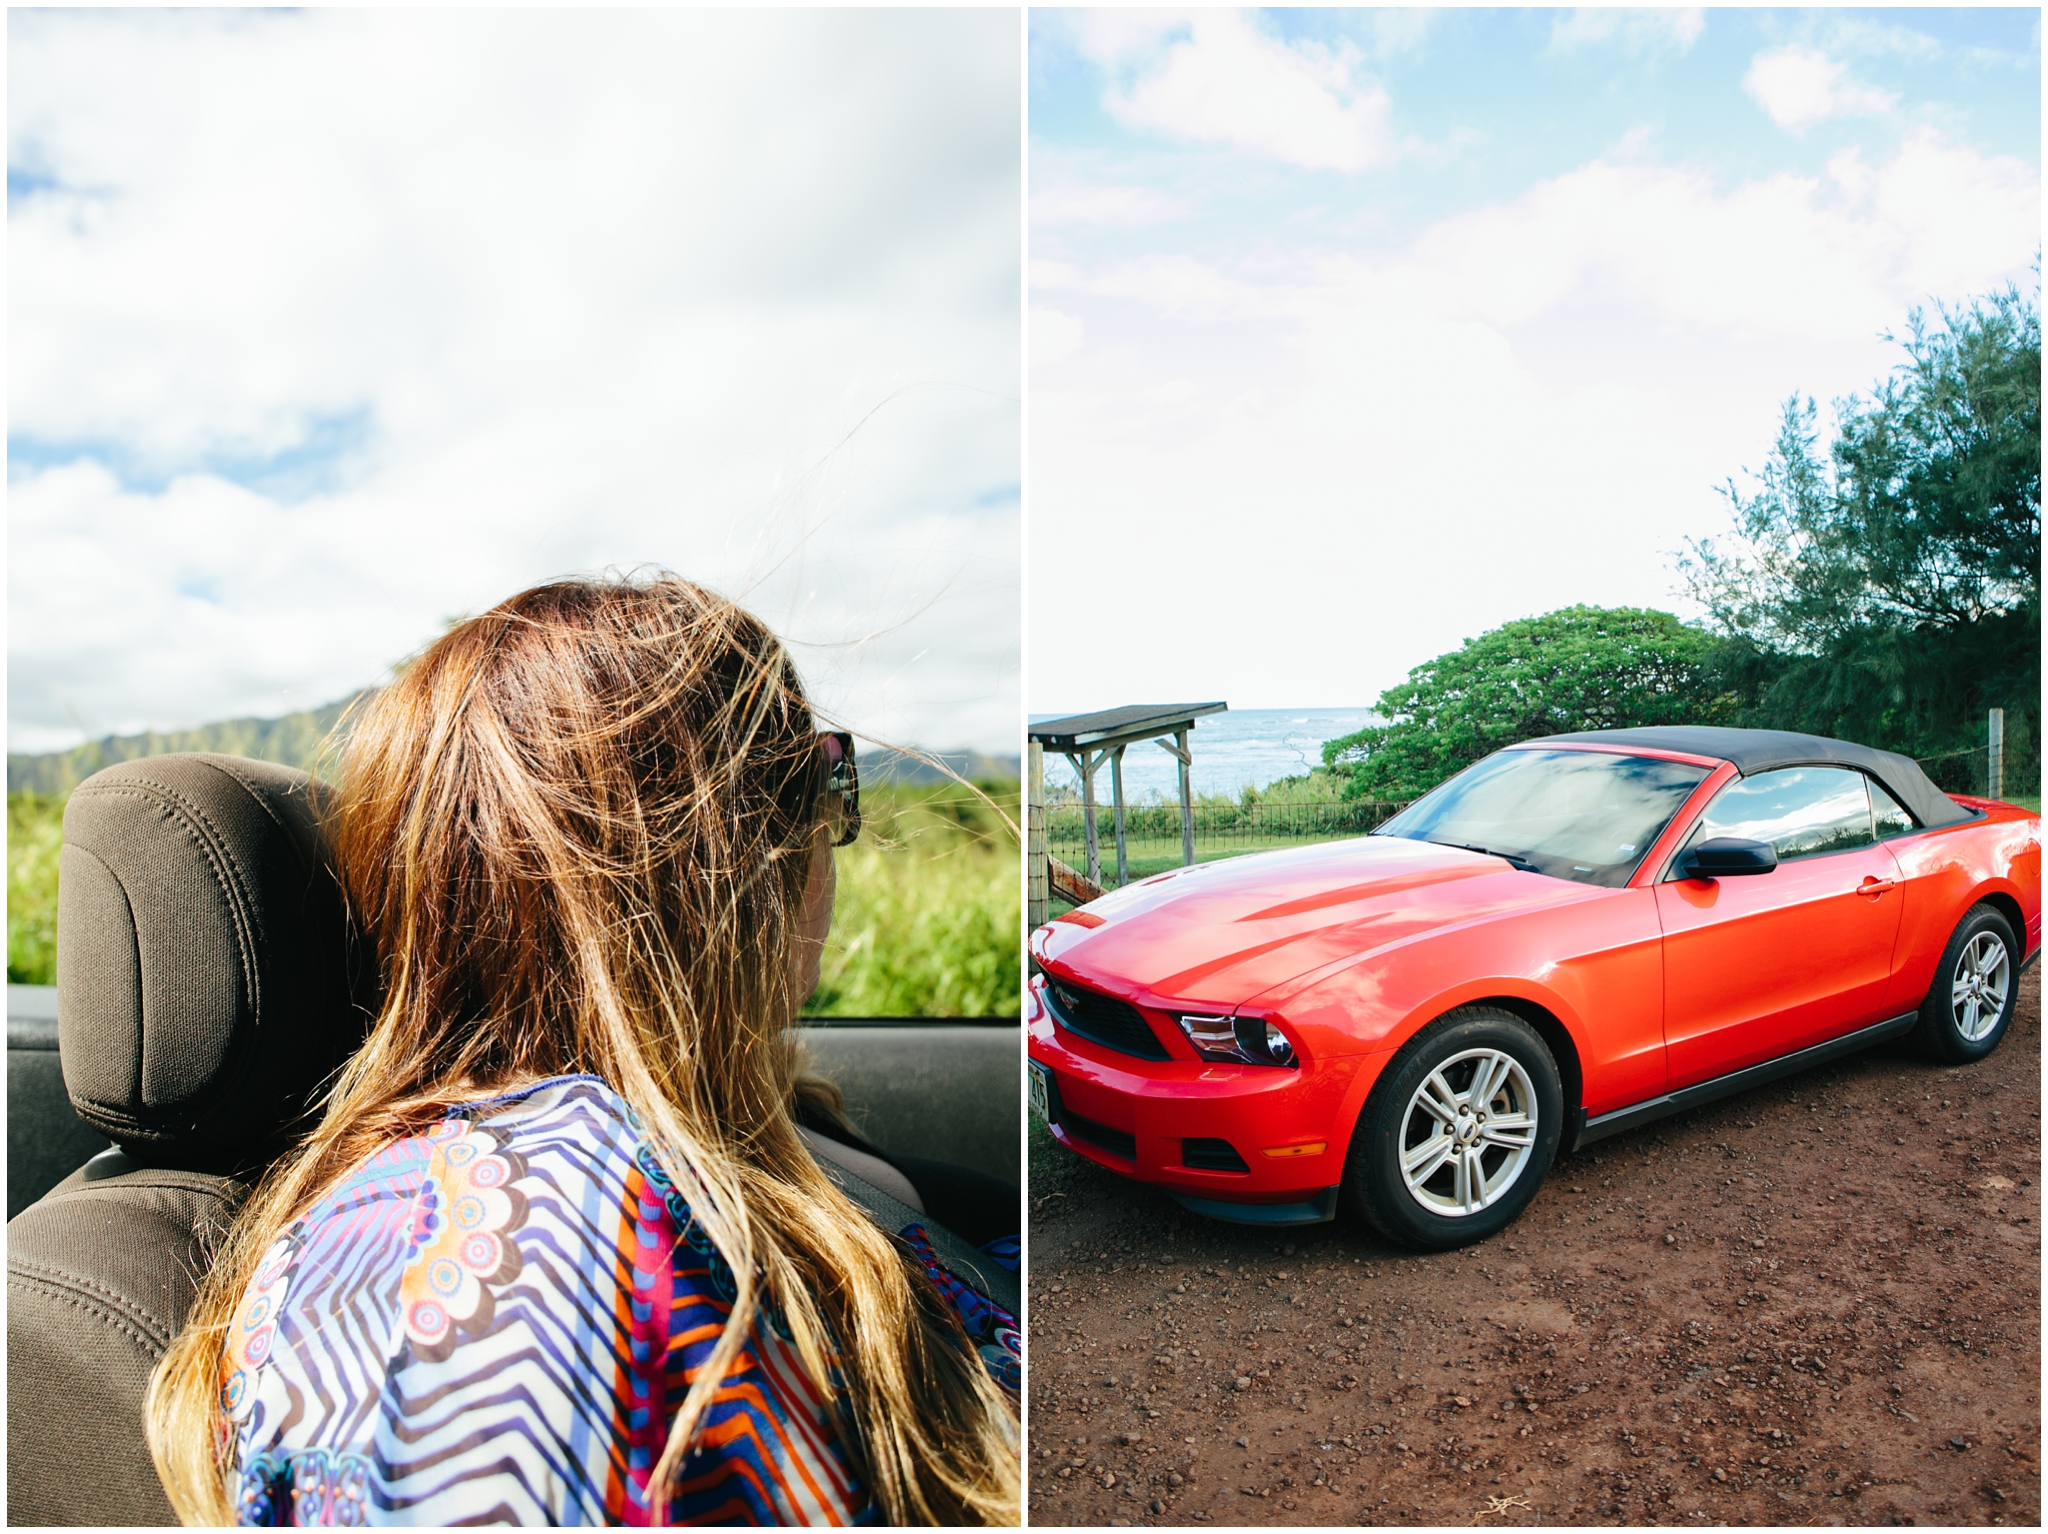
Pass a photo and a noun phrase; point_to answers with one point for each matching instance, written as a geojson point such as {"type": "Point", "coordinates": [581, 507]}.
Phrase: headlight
{"type": "Point", "coordinates": [1214, 1038]}
{"type": "Point", "coordinates": [1242, 1040]}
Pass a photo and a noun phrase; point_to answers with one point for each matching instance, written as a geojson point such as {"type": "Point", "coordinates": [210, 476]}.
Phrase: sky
{"type": "Point", "coordinates": [326, 327]}
{"type": "Point", "coordinates": [1354, 334]}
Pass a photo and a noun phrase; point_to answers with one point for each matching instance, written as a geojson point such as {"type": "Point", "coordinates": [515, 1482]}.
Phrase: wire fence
{"type": "Point", "coordinates": [1154, 830]}
{"type": "Point", "coordinates": [1968, 771]}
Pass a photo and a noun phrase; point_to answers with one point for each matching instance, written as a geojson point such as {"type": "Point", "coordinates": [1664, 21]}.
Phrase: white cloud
{"type": "Point", "coordinates": [1394, 30]}
{"type": "Point", "coordinates": [1671, 30]}
{"type": "Point", "coordinates": [1054, 336]}
{"type": "Point", "coordinates": [1227, 83]}
{"type": "Point", "coordinates": [1363, 457]}
{"type": "Point", "coordinates": [1830, 258]}
{"type": "Point", "coordinates": [1070, 204]}
{"type": "Point", "coordinates": [601, 288]}
{"type": "Point", "coordinates": [1799, 86]}
{"type": "Point", "coordinates": [1847, 33]}
{"type": "Point", "coordinates": [1119, 39]}
{"type": "Point", "coordinates": [1185, 287]}
{"type": "Point", "coordinates": [1780, 255]}
{"type": "Point", "coordinates": [1114, 37]}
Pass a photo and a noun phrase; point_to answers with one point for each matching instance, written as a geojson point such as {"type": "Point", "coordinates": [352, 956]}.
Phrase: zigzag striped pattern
{"type": "Point", "coordinates": [495, 1323]}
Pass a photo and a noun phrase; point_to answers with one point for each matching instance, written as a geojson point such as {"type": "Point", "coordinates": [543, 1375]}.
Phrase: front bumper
{"type": "Point", "coordinates": [1138, 1118]}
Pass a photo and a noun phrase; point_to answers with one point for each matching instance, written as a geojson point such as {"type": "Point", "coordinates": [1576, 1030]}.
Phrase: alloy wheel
{"type": "Point", "coordinates": [1468, 1132]}
{"type": "Point", "coordinates": [1977, 990]}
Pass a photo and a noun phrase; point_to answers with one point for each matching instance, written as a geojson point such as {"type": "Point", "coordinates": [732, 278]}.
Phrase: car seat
{"type": "Point", "coordinates": [46, 1139]}
{"type": "Point", "coordinates": [203, 998]}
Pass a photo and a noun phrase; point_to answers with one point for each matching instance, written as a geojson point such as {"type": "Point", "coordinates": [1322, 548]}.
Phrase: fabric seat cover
{"type": "Point", "coordinates": [203, 999]}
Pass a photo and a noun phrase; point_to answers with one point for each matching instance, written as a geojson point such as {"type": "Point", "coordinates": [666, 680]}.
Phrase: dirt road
{"type": "Point", "coordinates": [1818, 1302]}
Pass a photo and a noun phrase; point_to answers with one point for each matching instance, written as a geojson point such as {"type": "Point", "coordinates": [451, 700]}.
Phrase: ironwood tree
{"type": "Point", "coordinates": [1890, 592]}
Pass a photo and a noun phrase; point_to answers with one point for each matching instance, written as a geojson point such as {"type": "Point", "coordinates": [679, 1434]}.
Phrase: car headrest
{"type": "Point", "coordinates": [203, 958]}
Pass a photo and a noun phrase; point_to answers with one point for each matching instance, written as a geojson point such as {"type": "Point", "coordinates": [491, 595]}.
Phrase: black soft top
{"type": "Point", "coordinates": [1754, 751]}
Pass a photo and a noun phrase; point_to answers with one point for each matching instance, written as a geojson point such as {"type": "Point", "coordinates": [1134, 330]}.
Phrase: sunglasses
{"type": "Point", "coordinates": [842, 785]}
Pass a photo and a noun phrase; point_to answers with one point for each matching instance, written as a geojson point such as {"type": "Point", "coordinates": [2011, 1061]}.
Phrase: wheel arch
{"type": "Point", "coordinates": [2006, 905]}
{"type": "Point", "coordinates": [1549, 1026]}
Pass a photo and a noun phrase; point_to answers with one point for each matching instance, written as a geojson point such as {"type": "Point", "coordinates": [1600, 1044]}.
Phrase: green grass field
{"type": "Point", "coordinates": [35, 830]}
{"type": "Point", "coordinates": [930, 908]}
{"type": "Point", "coordinates": [1224, 828]}
{"type": "Point", "coordinates": [1144, 862]}
{"type": "Point", "coordinates": [926, 924]}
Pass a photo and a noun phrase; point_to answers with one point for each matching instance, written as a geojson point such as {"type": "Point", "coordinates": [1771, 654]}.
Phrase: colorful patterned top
{"type": "Point", "coordinates": [496, 1321]}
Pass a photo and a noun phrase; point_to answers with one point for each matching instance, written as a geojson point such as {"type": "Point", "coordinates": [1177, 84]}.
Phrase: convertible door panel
{"type": "Point", "coordinates": [1763, 965]}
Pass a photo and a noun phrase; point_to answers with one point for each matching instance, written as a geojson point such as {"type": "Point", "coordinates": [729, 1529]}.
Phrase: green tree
{"type": "Point", "coordinates": [1890, 593]}
{"type": "Point", "coordinates": [1581, 668]}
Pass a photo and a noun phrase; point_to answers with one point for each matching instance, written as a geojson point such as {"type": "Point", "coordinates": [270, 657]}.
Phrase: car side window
{"type": "Point", "coordinates": [1802, 812]}
{"type": "Point", "coordinates": [1890, 815]}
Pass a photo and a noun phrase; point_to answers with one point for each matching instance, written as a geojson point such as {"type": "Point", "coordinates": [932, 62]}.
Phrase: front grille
{"type": "Point", "coordinates": [1211, 1156]}
{"type": "Point", "coordinates": [1101, 1136]}
{"type": "Point", "coordinates": [1109, 1022]}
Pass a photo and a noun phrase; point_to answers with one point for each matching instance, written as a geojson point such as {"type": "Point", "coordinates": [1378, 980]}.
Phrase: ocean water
{"type": "Point", "coordinates": [1244, 746]}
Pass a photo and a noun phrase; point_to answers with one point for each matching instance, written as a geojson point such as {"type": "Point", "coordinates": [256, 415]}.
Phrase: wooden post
{"type": "Point", "coordinates": [1177, 748]}
{"type": "Point", "coordinates": [1187, 802]}
{"type": "Point", "coordinates": [1994, 767]}
{"type": "Point", "coordinates": [1116, 788]}
{"type": "Point", "coordinates": [1036, 889]}
{"type": "Point", "coordinates": [1070, 887]}
{"type": "Point", "coordinates": [1087, 762]}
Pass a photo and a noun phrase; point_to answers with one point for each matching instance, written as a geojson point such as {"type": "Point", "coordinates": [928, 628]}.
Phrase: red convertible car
{"type": "Point", "coordinates": [1570, 938]}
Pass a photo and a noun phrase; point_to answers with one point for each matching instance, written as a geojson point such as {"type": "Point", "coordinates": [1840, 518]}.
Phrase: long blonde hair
{"type": "Point", "coordinates": [576, 832]}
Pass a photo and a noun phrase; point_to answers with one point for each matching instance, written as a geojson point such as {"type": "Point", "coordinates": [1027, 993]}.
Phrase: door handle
{"type": "Point", "coordinates": [1875, 886]}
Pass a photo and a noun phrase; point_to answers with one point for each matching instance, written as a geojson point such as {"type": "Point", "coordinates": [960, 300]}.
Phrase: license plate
{"type": "Point", "coordinates": [1040, 1079]}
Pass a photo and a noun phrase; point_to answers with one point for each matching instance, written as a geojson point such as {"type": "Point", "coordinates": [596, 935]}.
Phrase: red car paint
{"type": "Point", "coordinates": [1354, 946]}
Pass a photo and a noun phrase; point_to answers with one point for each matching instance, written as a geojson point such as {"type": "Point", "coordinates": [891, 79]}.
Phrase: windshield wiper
{"type": "Point", "coordinates": [1519, 862]}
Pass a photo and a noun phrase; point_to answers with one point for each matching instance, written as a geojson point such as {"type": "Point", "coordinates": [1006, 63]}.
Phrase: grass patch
{"type": "Point", "coordinates": [1142, 865]}
{"type": "Point", "coordinates": [1223, 828]}
{"type": "Point", "coordinates": [927, 921]}
{"type": "Point", "coordinates": [35, 832]}
{"type": "Point", "coordinates": [930, 908]}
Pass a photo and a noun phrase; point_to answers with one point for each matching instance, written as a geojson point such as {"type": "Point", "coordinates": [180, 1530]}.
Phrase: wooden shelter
{"type": "Point", "coordinates": [1089, 740]}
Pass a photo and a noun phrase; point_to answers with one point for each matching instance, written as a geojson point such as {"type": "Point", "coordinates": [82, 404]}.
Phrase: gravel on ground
{"type": "Point", "coordinates": [1817, 1302]}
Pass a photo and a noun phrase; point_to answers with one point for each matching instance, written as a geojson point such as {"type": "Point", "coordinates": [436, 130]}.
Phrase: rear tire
{"type": "Point", "coordinates": [1976, 985]}
{"type": "Point", "coordinates": [1444, 1156]}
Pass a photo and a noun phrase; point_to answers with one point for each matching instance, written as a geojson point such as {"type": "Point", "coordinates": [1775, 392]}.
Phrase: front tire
{"type": "Point", "coordinates": [1459, 1131]}
{"type": "Point", "coordinates": [1976, 986]}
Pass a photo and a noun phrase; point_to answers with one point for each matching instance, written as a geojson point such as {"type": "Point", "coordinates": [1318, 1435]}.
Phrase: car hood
{"type": "Point", "coordinates": [1219, 934]}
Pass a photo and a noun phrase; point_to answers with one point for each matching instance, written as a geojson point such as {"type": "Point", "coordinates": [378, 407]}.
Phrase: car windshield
{"type": "Point", "coordinates": [1584, 815]}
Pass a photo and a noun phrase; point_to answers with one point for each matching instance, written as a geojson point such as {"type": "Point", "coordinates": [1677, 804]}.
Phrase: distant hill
{"type": "Point", "coordinates": [880, 766]}
{"type": "Point", "coordinates": [292, 740]}
{"type": "Point", "coordinates": [295, 739]}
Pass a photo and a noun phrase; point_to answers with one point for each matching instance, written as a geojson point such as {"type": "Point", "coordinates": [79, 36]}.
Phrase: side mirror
{"type": "Point", "coordinates": [1726, 857]}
